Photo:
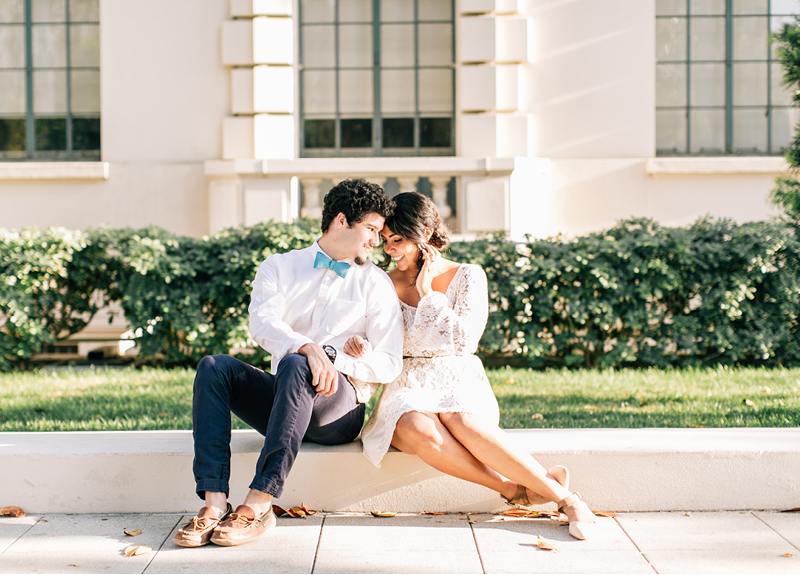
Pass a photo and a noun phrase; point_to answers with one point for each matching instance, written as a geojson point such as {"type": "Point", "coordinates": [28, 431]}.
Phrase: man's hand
{"type": "Point", "coordinates": [356, 346]}
{"type": "Point", "coordinates": [324, 377]}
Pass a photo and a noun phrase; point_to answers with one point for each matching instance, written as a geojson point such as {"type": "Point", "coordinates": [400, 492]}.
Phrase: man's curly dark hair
{"type": "Point", "coordinates": [355, 198]}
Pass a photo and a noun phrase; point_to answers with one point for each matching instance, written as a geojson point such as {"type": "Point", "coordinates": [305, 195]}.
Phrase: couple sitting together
{"type": "Point", "coordinates": [337, 328]}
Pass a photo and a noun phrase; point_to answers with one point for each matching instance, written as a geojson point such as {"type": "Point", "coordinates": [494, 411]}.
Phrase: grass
{"type": "Point", "coordinates": [128, 399]}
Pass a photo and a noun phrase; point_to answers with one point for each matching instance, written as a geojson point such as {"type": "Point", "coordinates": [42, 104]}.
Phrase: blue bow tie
{"type": "Point", "coordinates": [323, 261]}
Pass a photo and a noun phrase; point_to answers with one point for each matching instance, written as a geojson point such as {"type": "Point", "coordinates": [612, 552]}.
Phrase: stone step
{"type": "Point", "coordinates": [613, 469]}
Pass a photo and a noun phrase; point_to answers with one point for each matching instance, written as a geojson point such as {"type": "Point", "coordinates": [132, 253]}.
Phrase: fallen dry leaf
{"type": "Point", "coordinates": [133, 533]}
{"type": "Point", "coordinates": [383, 513]}
{"type": "Point", "coordinates": [792, 510]}
{"type": "Point", "coordinates": [307, 510]}
{"type": "Point", "coordinates": [74, 565]}
{"type": "Point", "coordinates": [279, 511]}
{"type": "Point", "coordinates": [765, 389]}
{"type": "Point", "coordinates": [788, 555]}
{"type": "Point", "coordinates": [163, 415]}
{"type": "Point", "coordinates": [433, 513]}
{"type": "Point", "coordinates": [688, 514]}
{"type": "Point", "coordinates": [605, 513]}
{"type": "Point", "coordinates": [134, 550]}
{"type": "Point", "coordinates": [749, 402]}
{"type": "Point", "coordinates": [537, 416]}
{"type": "Point", "coordinates": [542, 544]}
{"type": "Point", "coordinates": [518, 512]}
{"type": "Point", "coordinates": [11, 512]}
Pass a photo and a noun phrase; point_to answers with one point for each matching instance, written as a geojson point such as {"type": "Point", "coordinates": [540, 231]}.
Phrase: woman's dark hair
{"type": "Point", "coordinates": [355, 198]}
{"type": "Point", "coordinates": [413, 213]}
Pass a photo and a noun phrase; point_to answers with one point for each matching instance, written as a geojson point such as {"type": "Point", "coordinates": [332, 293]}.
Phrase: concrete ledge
{"type": "Point", "coordinates": [716, 166]}
{"type": "Point", "coordinates": [614, 469]}
{"type": "Point", "coordinates": [54, 170]}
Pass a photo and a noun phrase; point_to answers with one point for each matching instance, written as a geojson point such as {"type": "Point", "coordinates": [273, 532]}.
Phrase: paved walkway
{"type": "Point", "coordinates": [669, 542]}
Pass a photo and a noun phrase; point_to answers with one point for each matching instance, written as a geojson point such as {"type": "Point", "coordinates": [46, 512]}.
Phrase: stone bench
{"type": "Point", "coordinates": [613, 469]}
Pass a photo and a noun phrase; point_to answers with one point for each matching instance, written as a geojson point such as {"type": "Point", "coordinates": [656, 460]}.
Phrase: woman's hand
{"type": "Point", "coordinates": [356, 346]}
{"type": "Point", "coordinates": [425, 278]}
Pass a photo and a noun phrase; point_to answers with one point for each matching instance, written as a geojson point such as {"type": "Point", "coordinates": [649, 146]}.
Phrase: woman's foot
{"type": "Point", "coordinates": [582, 522]}
{"type": "Point", "coordinates": [525, 496]}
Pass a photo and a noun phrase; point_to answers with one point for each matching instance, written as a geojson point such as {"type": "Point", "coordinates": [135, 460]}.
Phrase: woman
{"type": "Point", "coordinates": [442, 408]}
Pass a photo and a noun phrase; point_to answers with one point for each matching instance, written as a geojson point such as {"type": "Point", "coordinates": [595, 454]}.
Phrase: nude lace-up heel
{"type": "Point", "coordinates": [558, 472]}
{"type": "Point", "coordinates": [578, 529]}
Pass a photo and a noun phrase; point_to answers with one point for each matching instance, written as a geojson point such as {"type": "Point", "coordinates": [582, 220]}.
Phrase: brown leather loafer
{"type": "Point", "coordinates": [242, 527]}
{"type": "Point", "coordinates": [198, 531]}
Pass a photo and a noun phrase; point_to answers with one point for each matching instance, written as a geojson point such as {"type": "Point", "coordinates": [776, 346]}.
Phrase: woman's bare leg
{"type": "Point", "coordinates": [424, 435]}
{"type": "Point", "coordinates": [489, 445]}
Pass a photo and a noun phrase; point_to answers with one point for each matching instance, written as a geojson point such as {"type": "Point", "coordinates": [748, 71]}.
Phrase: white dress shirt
{"type": "Point", "coordinates": [293, 304]}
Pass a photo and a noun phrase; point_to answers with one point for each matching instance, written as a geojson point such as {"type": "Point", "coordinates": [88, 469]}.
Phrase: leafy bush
{"type": "Point", "coordinates": [636, 295]}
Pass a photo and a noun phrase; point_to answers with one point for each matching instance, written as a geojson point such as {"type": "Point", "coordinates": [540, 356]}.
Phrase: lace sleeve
{"type": "Point", "coordinates": [457, 329]}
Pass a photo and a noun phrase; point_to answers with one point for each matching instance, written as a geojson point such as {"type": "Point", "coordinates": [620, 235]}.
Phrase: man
{"type": "Point", "coordinates": [304, 306]}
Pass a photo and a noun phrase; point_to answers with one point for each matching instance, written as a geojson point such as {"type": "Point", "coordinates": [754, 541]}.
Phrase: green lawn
{"type": "Point", "coordinates": [128, 399]}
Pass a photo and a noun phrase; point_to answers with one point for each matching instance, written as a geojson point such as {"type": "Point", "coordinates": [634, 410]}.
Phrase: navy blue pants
{"type": "Point", "coordinates": [284, 408]}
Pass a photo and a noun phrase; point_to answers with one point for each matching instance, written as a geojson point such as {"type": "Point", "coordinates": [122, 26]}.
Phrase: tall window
{"type": "Point", "coordinates": [718, 82]}
{"type": "Point", "coordinates": [377, 77]}
{"type": "Point", "coordinates": [49, 80]}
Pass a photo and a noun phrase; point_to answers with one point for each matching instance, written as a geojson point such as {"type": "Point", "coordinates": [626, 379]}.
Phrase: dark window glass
{"type": "Point", "coordinates": [319, 133]}
{"type": "Point", "coordinates": [86, 133]}
{"type": "Point", "coordinates": [434, 132]}
{"type": "Point", "coordinates": [12, 135]}
{"type": "Point", "coordinates": [51, 134]}
{"type": "Point", "coordinates": [398, 133]}
{"type": "Point", "coordinates": [356, 133]}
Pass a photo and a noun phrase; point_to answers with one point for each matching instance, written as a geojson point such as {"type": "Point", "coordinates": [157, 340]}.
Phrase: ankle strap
{"type": "Point", "coordinates": [568, 500]}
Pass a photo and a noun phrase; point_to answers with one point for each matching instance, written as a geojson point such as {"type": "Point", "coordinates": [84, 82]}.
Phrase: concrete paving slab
{"type": "Point", "coordinates": [508, 545]}
{"type": "Point", "coordinates": [786, 524]}
{"type": "Point", "coordinates": [86, 544]}
{"type": "Point", "coordinates": [287, 548]}
{"type": "Point", "coordinates": [12, 528]}
{"type": "Point", "coordinates": [703, 542]}
{"type": "Point", "coordinates": [401, 544]}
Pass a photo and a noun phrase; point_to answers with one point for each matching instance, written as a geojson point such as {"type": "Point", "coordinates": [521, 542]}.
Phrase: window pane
{"type": "Point", "coordinates": [85, 88]}
{"type": "Point", "coordinates": [12, 40]}
{"type": "Point", "coordinates": [84, 10]}
{"type": "Point", "coordinates": [397, 10]}
{"type": "Point", "coordinates": [671, 85]}
{"type": "Point", "coordinates": [355, 46]}
{"type": "Point", "coordinates": [356, 133]}
{"type": "Point", "coordinates": [317, 10]}
{"type": "Point", "coordinates": [12, 91]}
{"type": "Point", "coordinates": [86, 133]}
{"type": "Point", "coordinates": [435, 44]}
{"type": "Point", "coordinates": [12, 11]}
{"type": "Point", "coordinates": [671, 39]}
{"type": "Point", "coordinates": [671, 131]}
{"type": "Point", "coordinates": [750, 39]}
{"type": "Point", "coordinates": [435, 132]}
{"type": "Point", "coordinates": [435, 10]}
{"type": "Point", "coordinates": [750, 130]}
{"type": "Point", "coordinates": [84, 45]}
{"type": "Point", "coordinates": [707, 84]}
{"type": "Point", "coordinates": [397, 45]}
{"type": "Point", "coordinates": [12, 135]}
{"type": "Point", "coordinates": [319, 133]}
{"type": "Point", "coordinates": [50, 91]}
{"type": "Point", "coordinates": [750, 84]}
{"type": "Point", "coordinates": [355, 10]}
{"type": "Point", "coordinates": [319, 92]}
{"type": "Point", "coordinates": [784, 6]}
{"type": "Point", "coordinates": [355, 91]}
{"type": "Point", "coordinates": [784, 123]}
{"type": "Point", "coordinates": [670, 7]}
{"type": "Point", "coordinates": [750, 6]}
{"type": "Point", "coordinates": [318, 47]}
{"type": "Point", "coordinates": [780, 94]}
{"type": "Point", "coordinates": [708, 38]}
{"type": "Point", "coordinates": [436, 91]}
{"type": "Point", "coordinates": [700, 7]}
{"type": "Point", "coordinates": [51, 134]}
{"type": "Point", "coordinates": [398, 132]}
{"type": "Point", "coordinates": [49, 10]}
{"type": "Point", "coordinates": [49, 46]}
{"type": "Point", "coordinates": [397, 91]}
{"type": "Point", "coordinates": [708, 131]}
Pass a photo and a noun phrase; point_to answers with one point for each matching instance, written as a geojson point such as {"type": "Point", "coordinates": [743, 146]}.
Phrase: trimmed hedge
{"type": "Point", "coordinates": [636, 295]}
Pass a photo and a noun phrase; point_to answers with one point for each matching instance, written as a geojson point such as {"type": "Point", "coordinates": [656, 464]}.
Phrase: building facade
{"type": "Point", "coordinates": [532, 116]}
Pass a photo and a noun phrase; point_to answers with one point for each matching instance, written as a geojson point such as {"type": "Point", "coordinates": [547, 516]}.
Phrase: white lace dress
{"type": "Point", "coordinates": [440, 373]}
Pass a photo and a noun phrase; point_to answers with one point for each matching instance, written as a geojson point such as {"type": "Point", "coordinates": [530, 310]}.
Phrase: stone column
{"type": "Point", "coordinates": [408, 184]}
{"type": "Point", "coordinates": [311, 207]}
{"type": "Point", "coordinates": [439, 189]}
